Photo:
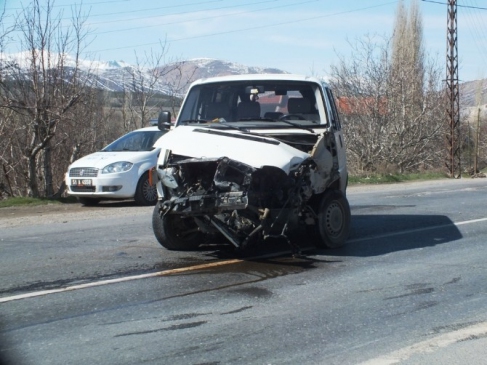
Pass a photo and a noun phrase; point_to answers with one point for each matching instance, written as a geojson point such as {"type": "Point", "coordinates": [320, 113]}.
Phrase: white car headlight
{"type": "Point", "coordinates": [121, 166]}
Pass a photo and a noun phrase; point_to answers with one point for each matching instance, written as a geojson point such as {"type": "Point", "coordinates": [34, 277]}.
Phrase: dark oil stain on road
{"type": "Point", "coordinates": [170, 328]}
{"type": "Point", "coordinates": [247, 273]}
{"type": "Point", "coordinates": [182, 326]}
{"type": "Point", "coordinates": [184, 316]}
{"type": "Point", "coordinates": [253, 292]}
{"type": "Point", "coordinates": [239, 310]}
{"type": "Point", "coordinates": [267, 268]}
{"type": "Point", "coordinates": [413, 292]}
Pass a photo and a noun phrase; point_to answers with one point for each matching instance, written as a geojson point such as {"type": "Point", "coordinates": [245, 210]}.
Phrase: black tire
{"type": "Point", "coordinates": [333, 223]}
{"type": "Point", "coordinates": [175, 232]}
{"type": "Point", "coordinates": [145, 194]}
{"type": "Point", "coordinates": [89, 202]}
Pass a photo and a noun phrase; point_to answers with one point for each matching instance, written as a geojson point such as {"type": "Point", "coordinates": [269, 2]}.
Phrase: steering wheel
{"type": "Point", "coordinates": [292, 116]}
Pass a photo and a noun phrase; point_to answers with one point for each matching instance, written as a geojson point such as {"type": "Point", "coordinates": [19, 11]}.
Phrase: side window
{"type": "Point", "coordinates": [191, 110]}
{"type": "Point", "coordinates": [334, 112]}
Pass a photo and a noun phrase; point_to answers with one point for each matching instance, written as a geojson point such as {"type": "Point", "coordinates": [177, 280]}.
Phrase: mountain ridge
{"type": "Point", "coordinates": [175, 77]}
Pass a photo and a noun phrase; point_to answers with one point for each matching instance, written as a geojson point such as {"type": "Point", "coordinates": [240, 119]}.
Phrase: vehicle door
{"type": "Point", "coordinates": [336, 127]}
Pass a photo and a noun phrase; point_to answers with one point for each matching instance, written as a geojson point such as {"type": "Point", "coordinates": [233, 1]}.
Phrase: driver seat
{"type": "Point", "coordinates": [302, 107]}
{"type": "Point", "coordinates": [298, 106]}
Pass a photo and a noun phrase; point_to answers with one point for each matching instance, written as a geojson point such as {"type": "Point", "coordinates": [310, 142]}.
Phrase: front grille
{"type": "Point", "coordinates": [83, 172]}
{"type": "Point", "coordinates": [83, 189]}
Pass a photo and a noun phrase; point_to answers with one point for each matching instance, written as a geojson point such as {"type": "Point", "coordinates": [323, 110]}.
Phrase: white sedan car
{"type": "Point", "coordinates": [118, 171]}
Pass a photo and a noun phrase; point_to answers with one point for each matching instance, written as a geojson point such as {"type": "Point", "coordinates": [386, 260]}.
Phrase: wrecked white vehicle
{"type": "Point", "coordinates": [253, 157]}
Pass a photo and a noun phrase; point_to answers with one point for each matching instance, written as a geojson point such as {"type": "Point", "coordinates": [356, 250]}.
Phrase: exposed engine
{"type": "Point", "coordinates": [241, 202]}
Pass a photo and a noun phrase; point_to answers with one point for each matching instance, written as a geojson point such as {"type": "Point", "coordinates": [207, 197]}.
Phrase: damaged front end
{"type": "Point", "coordinates": [201, 198]}
{"type": "Point", "coordinates": [243, 203]}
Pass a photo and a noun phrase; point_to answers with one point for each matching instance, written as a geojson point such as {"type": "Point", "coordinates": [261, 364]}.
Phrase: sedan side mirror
{"type": "Point", "coordinates": [164, 121]}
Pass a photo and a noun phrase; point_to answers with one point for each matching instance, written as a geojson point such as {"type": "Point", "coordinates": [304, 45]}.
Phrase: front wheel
{"type": "Point", "coordinates": [175, 232]}
{"type": "Point", "coordinates": [145, 193]}
{"type": "Point", "coordinates": [333, 221]}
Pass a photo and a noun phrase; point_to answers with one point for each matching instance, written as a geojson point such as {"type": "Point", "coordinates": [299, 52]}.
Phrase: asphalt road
{"type": "Point", "coordinates": [410, 287]}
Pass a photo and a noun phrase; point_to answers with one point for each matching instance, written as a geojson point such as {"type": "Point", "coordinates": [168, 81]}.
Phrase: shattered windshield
{"type": "Point", "coordinates": [286, 103]}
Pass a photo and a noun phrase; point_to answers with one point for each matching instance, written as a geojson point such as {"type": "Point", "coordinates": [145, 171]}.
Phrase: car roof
{"type": "Point", "coordinates": [258, 77]}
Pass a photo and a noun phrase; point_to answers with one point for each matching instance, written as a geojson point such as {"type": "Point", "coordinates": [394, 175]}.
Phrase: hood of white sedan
{"type": "Point", "coordinates": [102, 159]}
{"type": "Point", "coordinates": [253, 150]}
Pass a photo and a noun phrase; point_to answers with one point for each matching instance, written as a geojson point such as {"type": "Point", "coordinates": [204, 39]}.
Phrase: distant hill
{"type": "Point", "coordinates": [207, 67]}
{"type": "Point", "coordinates": [199, 68]}
{"type": "Point", "coordinates": [117, 75]}
{"type": "Point", "coordinates": [175, 76]}
{"type": "Point", "coordinates": [473, 93]}
{"type": "Point", "coordinates": [473, 100]}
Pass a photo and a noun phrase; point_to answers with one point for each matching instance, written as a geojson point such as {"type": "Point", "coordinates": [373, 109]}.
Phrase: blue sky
{"type": "Point", "coordinates": [299, 36]}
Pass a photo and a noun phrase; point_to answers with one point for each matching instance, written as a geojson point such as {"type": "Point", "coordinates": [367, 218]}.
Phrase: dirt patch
{"type": "Point", "coordinates": [23, 211]}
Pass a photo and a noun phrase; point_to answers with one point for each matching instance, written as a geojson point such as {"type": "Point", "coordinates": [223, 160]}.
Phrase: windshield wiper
{"type": "Point", "coordinates": [256, 118]}
{"type": "Point", "coordinates": [297, 125]}
{"type": "Point", "coordinates": [190, 121]}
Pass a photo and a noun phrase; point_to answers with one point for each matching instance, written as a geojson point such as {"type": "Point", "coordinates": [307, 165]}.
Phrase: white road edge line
{"type": "Point", "coordinates": [204, 266]}
{"type": "Point", "coordinates": [431, 345]}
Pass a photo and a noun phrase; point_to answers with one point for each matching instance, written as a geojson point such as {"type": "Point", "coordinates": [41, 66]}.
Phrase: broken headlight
{"type": "Point", "coordinates": [167, 177]}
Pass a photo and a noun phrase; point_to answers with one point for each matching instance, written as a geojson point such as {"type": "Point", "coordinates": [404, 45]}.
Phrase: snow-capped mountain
{"type": "Point", "coordinates": [183, 73]}
{"type": "Point", "coordinates": [174, 78]}
{"type": "Point", "coordinates": [170, 79]}
{"type": "Point", "coordinates": [208, 67]}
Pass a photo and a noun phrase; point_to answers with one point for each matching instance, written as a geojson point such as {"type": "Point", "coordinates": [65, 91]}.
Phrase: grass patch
{"type": "Point", "coordinates": [28, 201]}
{"type": "Point", "coordinates": [394, 178]}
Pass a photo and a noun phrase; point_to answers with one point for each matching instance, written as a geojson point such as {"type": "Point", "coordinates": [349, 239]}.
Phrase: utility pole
{"type": "Point", "coordinates": [453, 160]}
{"type": "Point", "coordinates": [477, 141]}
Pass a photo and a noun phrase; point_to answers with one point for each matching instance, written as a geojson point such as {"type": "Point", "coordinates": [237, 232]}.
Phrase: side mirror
{"type": "Point", "coordinates": [164, 121]}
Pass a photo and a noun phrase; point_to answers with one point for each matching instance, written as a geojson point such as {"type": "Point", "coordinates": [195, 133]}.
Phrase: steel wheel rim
{"type": "Point", "coordinates": [334, 219]}
{"type": "Point", "coordinates": [149, 191]}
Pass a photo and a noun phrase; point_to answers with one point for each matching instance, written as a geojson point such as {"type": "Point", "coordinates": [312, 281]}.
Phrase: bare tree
{"type": "Point", "coordinates": [178, 78]}
{"type": "Point", "coordinates": [46, 87]}
{"type": "Point", "coordinates": [87, 127]}
{"type": "Point", "coordinates": [5, 115]}
{"type": "Point", "coordinates": [390, 97]}
{"type": "Point", "coordinates": [360, 83]}
{"type": "Point", "coordinates": [148, 86]}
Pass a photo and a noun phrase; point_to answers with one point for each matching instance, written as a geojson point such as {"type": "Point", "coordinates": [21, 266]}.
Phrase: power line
{"type": "Point", "coordinates": [458, 6]}
{"type": "Point", "coordinates": [203, 18]}
{"type": "Point", "coordinates": [475, 26]}
{"type": "Point", "coordinates": [125, 1]}
{"type": "Point", "coordinates": [197, 11]}
{"type": "Point", "coordinates": [477, 30]}
{"type": "Point", "coordinates": [132, 11]}
{"type": "Point", "coordinates": [253, 27]}
{"type": "Point", "coordinates": [165, 7]}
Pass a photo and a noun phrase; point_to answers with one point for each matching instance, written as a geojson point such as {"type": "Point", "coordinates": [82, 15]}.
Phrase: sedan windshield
{"type": "Point", "coordinates": [135, 141]}
{"type": "Point", "coordinates": [263, 100]}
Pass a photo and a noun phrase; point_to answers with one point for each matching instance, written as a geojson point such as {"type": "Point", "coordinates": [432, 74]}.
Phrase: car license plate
{"type": "Point", "coordinates": [81, 182]}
